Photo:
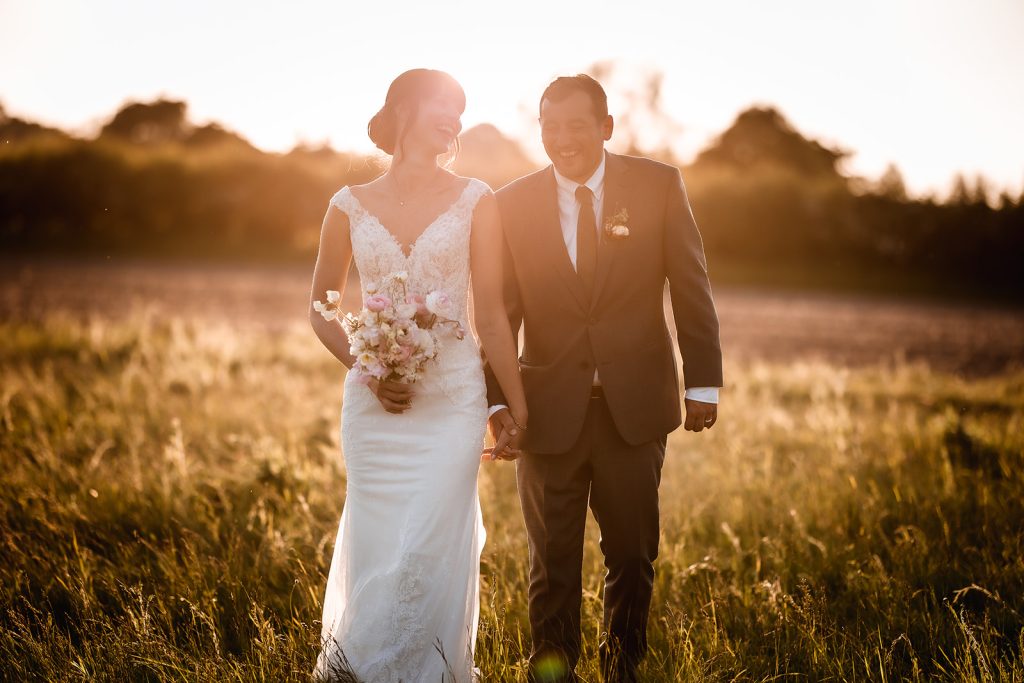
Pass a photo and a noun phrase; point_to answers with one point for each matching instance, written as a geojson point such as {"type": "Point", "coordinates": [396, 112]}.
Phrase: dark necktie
{"type": "Point", "coordinates": [586, 237]}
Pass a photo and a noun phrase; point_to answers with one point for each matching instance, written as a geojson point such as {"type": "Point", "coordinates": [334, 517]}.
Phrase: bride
{"type": "Point", "coordinates": [401, 602]}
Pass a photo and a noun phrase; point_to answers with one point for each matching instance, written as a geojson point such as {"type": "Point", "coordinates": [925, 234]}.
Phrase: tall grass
{"type": "Point", "coordinates": [170, 491]}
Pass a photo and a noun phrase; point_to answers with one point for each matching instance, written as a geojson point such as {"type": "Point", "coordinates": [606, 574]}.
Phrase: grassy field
{"type": "Point", "coordinates": [170, 491]}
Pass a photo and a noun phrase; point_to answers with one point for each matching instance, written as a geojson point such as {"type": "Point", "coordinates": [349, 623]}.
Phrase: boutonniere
{"type": "Point", "coordinates": [615, 227]}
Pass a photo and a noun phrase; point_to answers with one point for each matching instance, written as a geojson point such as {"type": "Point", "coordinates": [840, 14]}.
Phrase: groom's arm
{"type": "Point", "coordinates": [692, 304]}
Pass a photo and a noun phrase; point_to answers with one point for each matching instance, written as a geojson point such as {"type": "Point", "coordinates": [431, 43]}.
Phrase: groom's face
{"type": "Point", "coordinates": [573, 135]}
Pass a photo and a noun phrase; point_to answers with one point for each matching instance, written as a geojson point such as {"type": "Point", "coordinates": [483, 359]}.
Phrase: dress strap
{"type": "Point", "coordinates": [345, 202]}
{"type": "Point", "coordinates": [475, 190]}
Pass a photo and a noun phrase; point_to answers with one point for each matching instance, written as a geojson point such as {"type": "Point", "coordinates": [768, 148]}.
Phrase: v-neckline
{"type": "Point", "coordinates": [412, 246]}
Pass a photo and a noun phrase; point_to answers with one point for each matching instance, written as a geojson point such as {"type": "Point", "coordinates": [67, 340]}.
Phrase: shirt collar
{"type": "Point", "coordinates": [595, 182]}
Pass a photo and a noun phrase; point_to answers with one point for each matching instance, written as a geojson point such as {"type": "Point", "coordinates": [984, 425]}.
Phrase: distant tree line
{"type": "Point", "coordinates": [766, 197]}
{"type": "Point", "coordinates": [153, 184]}
{"type": "Point", "coordinates": [773, 206]}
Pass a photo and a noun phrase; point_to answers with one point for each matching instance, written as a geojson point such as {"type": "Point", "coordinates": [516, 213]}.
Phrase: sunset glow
{"type": "Point", "coordinates": [929, 86]}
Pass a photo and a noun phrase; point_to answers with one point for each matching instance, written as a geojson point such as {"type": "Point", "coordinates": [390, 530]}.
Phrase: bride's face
{"type": "Point", "coordinates": [435, 124]}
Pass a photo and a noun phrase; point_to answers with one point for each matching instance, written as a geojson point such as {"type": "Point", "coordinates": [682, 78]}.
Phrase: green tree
{"type": "Point", "coordinates": [153, 123]}
{"type": "Point", "coordinates": [762, 137]}
{"type": "Point", "coordinates": [891, 185]}
{"type": "Point", "coordinates": [14, 130]}
{"type": "Point", "coordinates": [960, 194]}
{"type": "Point", "coordinates": [215, 135]}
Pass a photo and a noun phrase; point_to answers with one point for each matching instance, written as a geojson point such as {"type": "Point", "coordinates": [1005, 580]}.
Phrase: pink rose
{"type": "Point", "coordinates": [377, 303]}
{"type": "Point", "coordinates": [421, 303]}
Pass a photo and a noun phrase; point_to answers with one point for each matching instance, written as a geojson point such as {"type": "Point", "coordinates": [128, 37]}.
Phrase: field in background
{"type": "Point", "coordinates": [757, 324]}
{"type": "Point", "coordinates": [171, 482]}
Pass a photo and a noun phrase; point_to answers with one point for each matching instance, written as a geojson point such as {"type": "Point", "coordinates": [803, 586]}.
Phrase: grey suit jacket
{"type": "Point", "coordinates": [620, 330]}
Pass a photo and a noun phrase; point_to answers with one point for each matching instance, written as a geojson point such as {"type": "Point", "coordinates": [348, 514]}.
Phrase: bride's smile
{"type": "Point", "coordinates": [436, 124]}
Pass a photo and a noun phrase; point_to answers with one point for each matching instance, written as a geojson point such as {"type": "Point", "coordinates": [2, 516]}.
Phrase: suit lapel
{"type": "Point", "coordinates": [615, 194]}
{"type": "Point", "coordinates": [549, 236]}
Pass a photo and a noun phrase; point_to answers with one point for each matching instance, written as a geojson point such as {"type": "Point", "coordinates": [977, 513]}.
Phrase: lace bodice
{"type": "Point", "coordinates": [437, 260]}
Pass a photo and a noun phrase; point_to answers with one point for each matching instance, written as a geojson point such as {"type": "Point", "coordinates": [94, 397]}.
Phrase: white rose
{"type": "Point", "coordinates": [327, 313]}
{"type": "Point", "coordinates": [401, 276]}
{"type": "Point", "coordinates": [437, 302]}
{"type": "Point", "coordinates": [406, 311]}
{"type": "Point", "coordinates": [372, 288]}
{"type": "Point", "coordinates": [425, 342]}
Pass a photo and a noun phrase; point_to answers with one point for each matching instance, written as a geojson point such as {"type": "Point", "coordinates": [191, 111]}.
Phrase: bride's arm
{"type": "Point", "coordinates": [492, 326]}
{"type": "Point", "coordinates": [332, 264]}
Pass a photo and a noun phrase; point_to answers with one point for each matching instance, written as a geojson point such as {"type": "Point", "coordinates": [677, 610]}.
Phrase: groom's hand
{"type": "Point", "coordinates": [505, 434]}
{"type": "Point", "coordinates": [700, 415]}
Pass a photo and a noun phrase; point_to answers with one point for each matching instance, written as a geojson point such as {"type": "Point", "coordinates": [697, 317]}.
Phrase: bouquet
{"type": "Point", "coordinates": [395, 334]}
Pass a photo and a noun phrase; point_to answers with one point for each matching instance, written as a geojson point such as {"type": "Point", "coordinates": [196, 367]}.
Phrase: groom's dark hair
{"type": "Point", "coordinates": [564, 86]}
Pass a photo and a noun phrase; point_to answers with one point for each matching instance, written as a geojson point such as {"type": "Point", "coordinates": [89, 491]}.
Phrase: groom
{"type": "Point", "coordinates": [590, 242]}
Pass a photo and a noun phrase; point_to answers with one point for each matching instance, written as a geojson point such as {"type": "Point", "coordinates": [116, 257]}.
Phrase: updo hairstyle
{"type": "Point", "coordinates": [408, 90]}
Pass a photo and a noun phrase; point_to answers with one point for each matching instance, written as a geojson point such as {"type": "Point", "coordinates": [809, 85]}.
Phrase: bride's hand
{"type": "Point", "coordinates": [507, 437]}
{"type": "Point", "coordinates": [396, 397]}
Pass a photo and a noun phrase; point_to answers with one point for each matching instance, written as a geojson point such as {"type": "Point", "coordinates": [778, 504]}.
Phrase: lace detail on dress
{"type": "Point", "coordinates": [400, 646]}
{"type": "Point", "coordinates": [438, 259]}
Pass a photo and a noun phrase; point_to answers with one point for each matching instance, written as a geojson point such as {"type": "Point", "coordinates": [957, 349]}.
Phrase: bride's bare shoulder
{"type": "Point", "coordinates": [374, 187]}
{"type": "Point", "coordinates": [464, 181]}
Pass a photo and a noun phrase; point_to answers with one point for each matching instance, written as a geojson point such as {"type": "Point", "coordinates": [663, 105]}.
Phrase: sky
{"type": "Point", "coordinates": [933, 86]}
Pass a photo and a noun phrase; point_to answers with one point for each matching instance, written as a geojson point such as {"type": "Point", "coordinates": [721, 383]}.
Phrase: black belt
{"type": "Point", "coordinates": [596, 391]}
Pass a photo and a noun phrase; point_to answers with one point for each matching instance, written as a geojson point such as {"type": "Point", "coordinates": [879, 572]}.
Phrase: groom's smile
{"type": "Point", "coordinates": [573, 135]}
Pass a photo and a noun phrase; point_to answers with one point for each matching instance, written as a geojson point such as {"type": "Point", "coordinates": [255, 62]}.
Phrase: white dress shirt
{"type": "Point", "coordinates": [569, 206]}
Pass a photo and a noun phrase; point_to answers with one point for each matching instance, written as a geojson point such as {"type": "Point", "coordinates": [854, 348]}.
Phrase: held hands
{"type": "Point", "coordinates": [396, 397]}
{"type": "Point", "coordinates": [507, 437]}
{"type": "Point", "coordinates": [700, 415]}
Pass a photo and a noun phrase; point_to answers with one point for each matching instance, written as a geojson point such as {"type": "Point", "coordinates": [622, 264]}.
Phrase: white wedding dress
{"type": "Point", "coordinates": [402, 597]}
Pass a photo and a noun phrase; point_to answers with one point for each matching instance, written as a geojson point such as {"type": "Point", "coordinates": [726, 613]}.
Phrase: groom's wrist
{"type": "Point", "coordinates": [702, 394]}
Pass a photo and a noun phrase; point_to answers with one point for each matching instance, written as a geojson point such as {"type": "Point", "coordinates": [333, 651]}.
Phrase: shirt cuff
{"type": "Point", "coordinates": [495, 408]}
{"type": "Point", "coordinates": [703, 394]}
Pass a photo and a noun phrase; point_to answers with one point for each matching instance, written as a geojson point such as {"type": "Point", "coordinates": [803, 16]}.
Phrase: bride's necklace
{"type": "Point", "coordinates": [406, 200]}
